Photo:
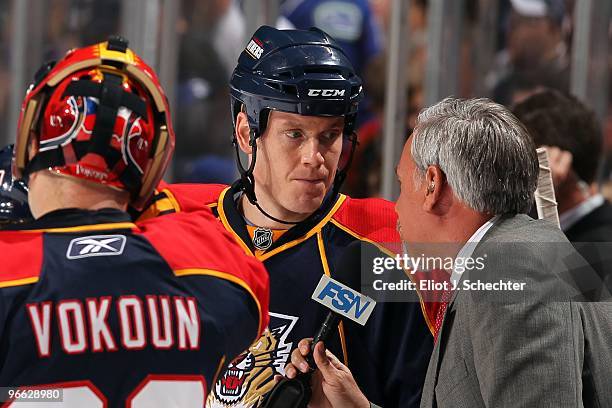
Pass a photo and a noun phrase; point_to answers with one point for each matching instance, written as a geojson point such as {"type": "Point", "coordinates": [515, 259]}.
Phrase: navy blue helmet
{"type": "Point", "coordinates": [296, 71]}
{"type": "Point", "coordinates": [14, 207]}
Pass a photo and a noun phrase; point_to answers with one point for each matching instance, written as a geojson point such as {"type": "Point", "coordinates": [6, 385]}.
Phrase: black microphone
{"type": "Point", "coordinates": [347, 273]}
{"type": "Point", "coordinates": [343, 302]}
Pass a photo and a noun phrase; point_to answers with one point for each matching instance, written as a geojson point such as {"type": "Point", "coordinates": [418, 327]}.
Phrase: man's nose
{"type": "Point", "coordinates": [311, 153]}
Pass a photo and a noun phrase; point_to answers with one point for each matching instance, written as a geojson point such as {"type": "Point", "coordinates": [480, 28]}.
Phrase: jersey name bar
{"type": "Point", "coordinates": [83, 326]}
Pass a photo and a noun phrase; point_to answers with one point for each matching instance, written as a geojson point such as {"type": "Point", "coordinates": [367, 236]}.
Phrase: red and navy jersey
{"type": "Point", "coordinates": [388, 357]}
{"type": "Point", "coordinates": [126, 314]}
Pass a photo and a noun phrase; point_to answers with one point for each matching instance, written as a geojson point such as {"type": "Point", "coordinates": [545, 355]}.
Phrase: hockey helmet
{"type": "Point", "coordinates": [99, 114]}
{"type": "Point", "coordinates": [296, 71]}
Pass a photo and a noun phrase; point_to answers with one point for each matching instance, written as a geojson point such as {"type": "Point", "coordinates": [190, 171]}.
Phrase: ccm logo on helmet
{"type": "Point", "coordinates": [254, 48]}
{"type": "Point", "coordinates": [326, 92]}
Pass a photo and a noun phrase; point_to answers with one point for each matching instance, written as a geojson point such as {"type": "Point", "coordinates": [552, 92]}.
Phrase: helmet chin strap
{"type": "Point", "coordinates": [247, 180]}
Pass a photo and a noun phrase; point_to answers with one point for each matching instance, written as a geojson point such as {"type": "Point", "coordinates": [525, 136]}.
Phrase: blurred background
{"type": "Point", "coordinates": [410, 53]}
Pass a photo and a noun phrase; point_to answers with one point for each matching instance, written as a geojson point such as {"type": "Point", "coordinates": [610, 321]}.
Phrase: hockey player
{"type": "Point", "coordinates": [294, 97]}
{"type": "Point", "coordinates": [13, 193]}
{"type": "Point", "coordinates": [105, 311]}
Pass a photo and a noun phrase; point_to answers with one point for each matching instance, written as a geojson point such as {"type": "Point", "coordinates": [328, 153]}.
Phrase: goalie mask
{"type": "Point", "coordinates": [99, 115]}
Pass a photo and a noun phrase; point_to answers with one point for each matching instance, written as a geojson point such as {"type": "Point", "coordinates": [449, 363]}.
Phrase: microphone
{"type": "Point", "coordinates": [342, 302]}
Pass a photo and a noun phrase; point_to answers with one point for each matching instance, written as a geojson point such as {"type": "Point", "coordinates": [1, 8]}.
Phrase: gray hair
{"type": "Point", "coordinates": [485, 152]}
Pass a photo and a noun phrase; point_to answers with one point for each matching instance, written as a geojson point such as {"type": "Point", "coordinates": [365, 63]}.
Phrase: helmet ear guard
{"type": "Point", "coordinates": [118, 71]}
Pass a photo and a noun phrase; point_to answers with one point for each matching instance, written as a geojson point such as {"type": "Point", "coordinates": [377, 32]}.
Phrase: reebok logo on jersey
{"type": "Point", "coordinates": [96, 245]}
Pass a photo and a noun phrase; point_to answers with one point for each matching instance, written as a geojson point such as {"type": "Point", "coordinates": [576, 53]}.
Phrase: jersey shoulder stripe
{"type": "Point", "coordinates": [187, 195]}
{"type": "Point", "coordinates": [371, 218]}
{"type": "Point", "coordinates": [173, 198]}
{"type": "Point", "coordinates": [195, 243]}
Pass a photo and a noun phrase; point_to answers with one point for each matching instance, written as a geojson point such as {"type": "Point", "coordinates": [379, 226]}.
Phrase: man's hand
{"type": "Point", "coordinates": [333, 385]}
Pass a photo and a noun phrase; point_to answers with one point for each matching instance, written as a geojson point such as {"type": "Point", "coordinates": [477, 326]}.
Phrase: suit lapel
{"type": "Point", "coordinates": [428, 395]}
{"type": "Point", "coordinates": [428, 399]}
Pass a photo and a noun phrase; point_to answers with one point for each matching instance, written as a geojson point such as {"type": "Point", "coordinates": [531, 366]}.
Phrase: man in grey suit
{"type": "Point", "coordinates": [524, 330]}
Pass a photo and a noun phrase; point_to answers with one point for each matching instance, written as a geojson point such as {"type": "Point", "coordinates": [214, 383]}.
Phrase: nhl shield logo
{"type": "Point", "coordinates": [262, 238]}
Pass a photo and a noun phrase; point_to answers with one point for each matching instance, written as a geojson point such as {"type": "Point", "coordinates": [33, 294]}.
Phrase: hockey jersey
{"type": "Point", "coordinates": [388, 357]}
{"type": "Point", "coordinates": [114, 313]}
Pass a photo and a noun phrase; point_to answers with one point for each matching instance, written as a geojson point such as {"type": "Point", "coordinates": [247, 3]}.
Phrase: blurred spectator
{"type": "Point", "coordinates": [534, 41]}
{"type": "Point", "coordinates": [573, 136]}
{"type": "Point", "coordinates": [350, 22]}
{"type": "Point", "coordinates": [229, 34]}
{"type": "Point", "coordinates": [100, 19]}
{"type": "Point", "coordinates": [526, 82]}
{"type": "Point", "coordinates": [74, 23]}
{"type": "Point", "coordinates": [5, 30]}
{"type": "Point", "coordinates": [211, 40]}
{"type": "Point", "coordinates": [417, 38]}
{"type": "Point", "coordinates": [364, 177]}
{"type": "Point", "coordinates": [54, 27]}
{"type": "Point", "coordinates": [210, 169]}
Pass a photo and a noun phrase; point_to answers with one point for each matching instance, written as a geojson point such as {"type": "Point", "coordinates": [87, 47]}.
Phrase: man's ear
{"type": "Point", "coordinates": [435, 189]}
{"type": "Point", "coordinates": [242, 132]}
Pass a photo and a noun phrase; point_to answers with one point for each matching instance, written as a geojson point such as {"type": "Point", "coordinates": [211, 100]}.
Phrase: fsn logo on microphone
{"type": "Point", "coordinates": [326, 92]}
{"type": "Point", "coordinates": [343, 300]}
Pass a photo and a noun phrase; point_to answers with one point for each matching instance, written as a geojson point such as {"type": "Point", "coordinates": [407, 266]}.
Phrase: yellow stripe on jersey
{"type": "Point", "coordinates": [220, 367]}
{"type": "Point", "coordinates": [19, 282]}
{"type": "Point", "coordinates": [309, 234]}
{"type": "Point", "coordinates": [322, 253]}
{"type": "Point", "coordinates": [228, 227]}
{"type": "Point", "coordinates": [327, 272]}
{"type": "Point", "coordinates": [173, 201]}
{"type": "Point", "coordinates": [159, 206]}
{"type": "Point", "coordinates": [94, 227]}
{"type": "Point", "coordinates": [228, 277]}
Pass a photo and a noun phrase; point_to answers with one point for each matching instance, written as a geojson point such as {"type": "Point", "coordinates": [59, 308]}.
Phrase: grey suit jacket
{"type": "Point", "coordinates": [544, 346]}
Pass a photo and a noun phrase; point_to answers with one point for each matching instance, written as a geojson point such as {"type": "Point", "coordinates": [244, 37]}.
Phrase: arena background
{"type": "Point", "coordinates": [411, 53]}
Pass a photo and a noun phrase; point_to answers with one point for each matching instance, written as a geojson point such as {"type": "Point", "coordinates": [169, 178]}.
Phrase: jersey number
{"type": "Point", "coordinates": [154, 391]}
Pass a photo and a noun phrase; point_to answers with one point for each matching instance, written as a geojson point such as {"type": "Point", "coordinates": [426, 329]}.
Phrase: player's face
{"type": "Point", "coordinates": [409, 207]}
{"type": "Point", "coordinates": [296, 161]}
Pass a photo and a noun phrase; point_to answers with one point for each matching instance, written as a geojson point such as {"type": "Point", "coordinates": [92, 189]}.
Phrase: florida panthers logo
{"type": "Point", "coordinates": [251, 375]}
